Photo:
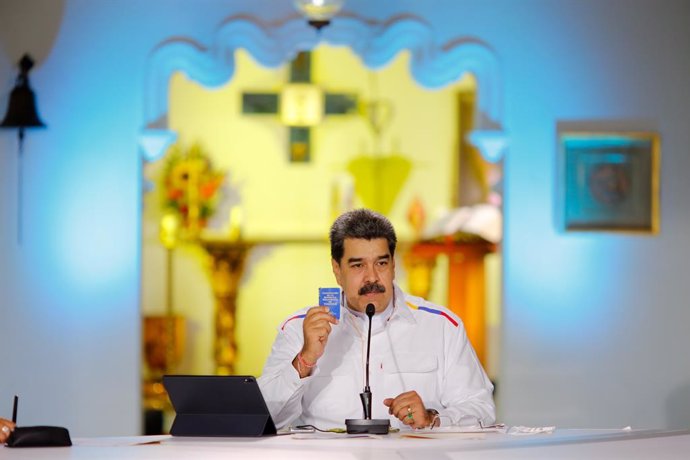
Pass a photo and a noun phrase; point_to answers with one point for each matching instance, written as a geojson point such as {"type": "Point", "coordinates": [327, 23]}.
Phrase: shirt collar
{"type": "Point", "coordinates": [397, 308]}
{"type": "Point", "coordinates": [378, 321]}
{"type": "Point", "coordinates": [402, 309]}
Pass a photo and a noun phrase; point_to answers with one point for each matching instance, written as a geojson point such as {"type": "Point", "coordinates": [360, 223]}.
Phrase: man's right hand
{"type": "Point", "coordinates": [316, 328]}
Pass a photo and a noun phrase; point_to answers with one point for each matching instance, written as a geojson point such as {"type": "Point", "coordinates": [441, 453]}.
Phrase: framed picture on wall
{"type": "Point", "coordinates": [609, 181]}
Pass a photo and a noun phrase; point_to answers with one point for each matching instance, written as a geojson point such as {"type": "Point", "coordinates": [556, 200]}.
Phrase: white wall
{"type": "Point", "coordinates": [595, 324]}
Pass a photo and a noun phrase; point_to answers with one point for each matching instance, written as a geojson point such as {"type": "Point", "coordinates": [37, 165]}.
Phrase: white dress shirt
{"type": "Point", "coordinates": [415, 345]}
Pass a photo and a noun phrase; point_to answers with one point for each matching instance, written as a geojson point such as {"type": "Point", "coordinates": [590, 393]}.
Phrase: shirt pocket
{"type": "Point", "coordinates": [412, 371]}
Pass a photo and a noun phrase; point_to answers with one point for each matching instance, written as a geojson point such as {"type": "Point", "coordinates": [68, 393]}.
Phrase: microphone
{"type": "Point", "coordinates": [367, 425]}
{"type": "Point", "coordinates": [14, 409]}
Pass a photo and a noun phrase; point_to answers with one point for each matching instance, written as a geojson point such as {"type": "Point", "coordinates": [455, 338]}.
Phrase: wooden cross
{"type": "Point", "coordinates": [300, 136]}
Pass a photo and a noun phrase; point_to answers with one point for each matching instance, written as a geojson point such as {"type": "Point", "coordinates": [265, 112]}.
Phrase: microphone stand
{"type": "Point", "coordinates": [367, 425]}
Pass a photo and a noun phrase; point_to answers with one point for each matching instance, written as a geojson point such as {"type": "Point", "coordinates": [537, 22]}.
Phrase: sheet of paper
{"type": "Point", "coordinates": [497, 428]}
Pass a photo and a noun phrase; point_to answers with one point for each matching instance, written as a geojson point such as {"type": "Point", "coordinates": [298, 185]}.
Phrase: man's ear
{"type": "Point", "coordinates": [336, 271]}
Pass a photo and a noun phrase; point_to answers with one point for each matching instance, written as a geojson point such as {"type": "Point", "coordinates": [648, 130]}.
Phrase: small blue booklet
{"type": "Point", "coordinates": [330, 297]}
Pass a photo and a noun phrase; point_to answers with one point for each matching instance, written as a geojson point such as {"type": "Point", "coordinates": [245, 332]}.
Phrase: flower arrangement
{"type": "Point", "coordinates": [191, 186]}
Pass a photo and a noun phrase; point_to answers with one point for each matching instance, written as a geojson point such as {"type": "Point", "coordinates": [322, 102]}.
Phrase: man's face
{"type": "Point", "coordinates": [366, 273]}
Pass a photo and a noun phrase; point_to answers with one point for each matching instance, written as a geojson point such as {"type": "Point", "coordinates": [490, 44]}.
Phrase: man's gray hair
{"type": "Point", "coordinates": [363, 224]}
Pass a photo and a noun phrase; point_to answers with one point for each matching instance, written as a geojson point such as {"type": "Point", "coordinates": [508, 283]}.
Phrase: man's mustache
{"type": "Point", "coordinates": [371, 287]}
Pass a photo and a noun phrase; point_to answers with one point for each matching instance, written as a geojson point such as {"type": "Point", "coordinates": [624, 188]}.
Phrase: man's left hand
{"type": "Point", "coordinates": [409, 408]}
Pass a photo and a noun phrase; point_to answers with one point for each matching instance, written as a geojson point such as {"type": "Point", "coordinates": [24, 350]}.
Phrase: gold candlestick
{"type": "Point", "coordinates": [227, 266]}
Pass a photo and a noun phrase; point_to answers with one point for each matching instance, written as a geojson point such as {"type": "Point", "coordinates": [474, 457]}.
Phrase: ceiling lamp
{"type": "Point", "coordinates": [319, 12]}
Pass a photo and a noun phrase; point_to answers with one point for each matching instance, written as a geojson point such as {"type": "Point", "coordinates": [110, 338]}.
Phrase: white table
{"type": "Point", "coordinates": [561, 444]}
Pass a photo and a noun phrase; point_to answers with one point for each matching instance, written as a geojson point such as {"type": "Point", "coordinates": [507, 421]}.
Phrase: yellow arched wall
{"type": "Point", "coordinates": [282, 200]}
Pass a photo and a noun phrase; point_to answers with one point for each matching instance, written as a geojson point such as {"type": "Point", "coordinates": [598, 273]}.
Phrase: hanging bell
{"type": "Point", "coordinates": [21, 111]}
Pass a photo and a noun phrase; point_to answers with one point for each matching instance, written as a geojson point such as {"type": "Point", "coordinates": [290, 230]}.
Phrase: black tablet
{"type": "Point", "coordinates": [215, 405]}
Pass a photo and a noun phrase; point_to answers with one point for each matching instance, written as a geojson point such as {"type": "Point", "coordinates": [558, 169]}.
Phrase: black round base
{"type": "Point", "coordinates": [367, 426]}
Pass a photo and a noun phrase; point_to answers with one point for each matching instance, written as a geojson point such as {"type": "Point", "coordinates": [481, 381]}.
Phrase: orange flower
{"type": "Point", "coordinates": [175, 193]}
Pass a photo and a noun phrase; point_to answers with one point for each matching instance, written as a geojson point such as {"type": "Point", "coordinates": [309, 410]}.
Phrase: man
{"type": "Point", "coordinates": [423, 370]}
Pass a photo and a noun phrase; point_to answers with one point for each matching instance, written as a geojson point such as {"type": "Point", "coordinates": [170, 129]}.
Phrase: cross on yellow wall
{"type": "Point", "coordinates": [265, 103]}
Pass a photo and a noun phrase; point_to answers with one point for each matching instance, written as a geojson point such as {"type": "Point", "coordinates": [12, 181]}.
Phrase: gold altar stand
{"type": "Point", "coordinates": [466, 279]}
{"type": "Point", "coordinates": [228, 258]}
{"type": "Point", "coordinates": [227, 266]}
